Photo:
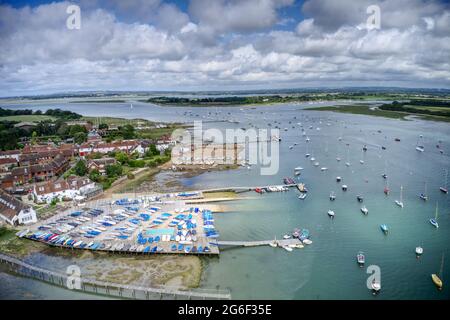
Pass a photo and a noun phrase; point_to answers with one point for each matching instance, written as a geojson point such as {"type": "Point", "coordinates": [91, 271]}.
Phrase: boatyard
{"type": "Point", "coordinates": [142, 225]}
{"type": "Point", "coordinates": [175, 223]}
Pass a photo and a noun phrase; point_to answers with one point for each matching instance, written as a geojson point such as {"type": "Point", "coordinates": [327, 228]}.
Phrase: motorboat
{"type": "Point", "coordinates": [360, 258]}
{"type": "Point", "coordinates": [302, 196]}
{"type": "Point", "coordinates": [287, 248]}
{"type": "Point", "coordinates": [286, 236]}
{"type": "Point", "coordinates": [384, 228]}
{"type": "Point", "coordinates": [376, 286]}
{"type": "Point", "coordinates": [307, 241]}
{"type": "Point", "coordinates": [436, 278]}
{"type": "Point", "coordinates": [338, 179]}
{"type": "Point", "coordinates": [332, 196]}
{"type": "Point", "coordinates": [419, 251]}
{"type": "Point", "coordinates": [331, 213]}
{"type": "Point", "coordinates": [359, 198]}
{"type": "Point", "coordinates": [364, 210]}
{"type": "Point", "coordinates": [344, 187]}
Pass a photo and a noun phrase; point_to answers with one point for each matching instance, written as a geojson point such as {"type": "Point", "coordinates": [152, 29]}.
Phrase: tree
{"type": "Point", "coordinates": [127, 131]}
{"type": "Point", "coordinates": [76, 129]}
{"type": "Point", "coordinates": [80, 137]}
{"type": "Point", "coordinates": [80, 168]}
{"type": "Point", "coordinates": [94, 175]}
{"type": "Point", "coordinates": [114, 170]}
{"type": "Point", "coordinates": [122, 157]}
{"type": "Point", "coordinates": [103, 126]}
{"type": "Point", "coordinates": [152, 151]}
{"type": "Point", "coordinates": [34, 138]}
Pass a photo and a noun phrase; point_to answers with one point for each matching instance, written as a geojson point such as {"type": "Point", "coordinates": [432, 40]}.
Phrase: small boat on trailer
{"type": "Point", "coordinates": [360, 258]}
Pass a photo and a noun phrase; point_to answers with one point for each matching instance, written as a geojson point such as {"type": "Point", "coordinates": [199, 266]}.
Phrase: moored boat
{"type": "Point", "coordinates": [364, 210]}
{"type": "Point", "coordinates": [384, 228]}
{"type": "Point", "coordinates": [419, 251]}
{"type": "Point", "coordinates": [360, 258]}
{"type": "Point", "coordinates": [331, 214]}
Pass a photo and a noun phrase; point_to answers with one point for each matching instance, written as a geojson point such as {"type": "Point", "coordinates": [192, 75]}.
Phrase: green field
{"type": "Point", "coordinates": [118, 121]}
{"type": "Point", "coordinates": [27, 118]}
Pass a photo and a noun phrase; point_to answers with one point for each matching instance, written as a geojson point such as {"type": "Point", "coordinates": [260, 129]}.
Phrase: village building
{"type": "Point", "coordinates": [6, 165]}
{"type": "Point", "coordinates": [100, 164]}
{"type": "Point", "coordinates": [75, 188]}
{"type": "Point", "coordinates": [15, 212]}
{"type": "Point", "coordinates": [27, 126]}
{"type": "Point", "coordinates": [126, 146]}
{"type": "Point", "coordinates": [35, 173]}
{"type": "Point", "coordinates": [10, 154]}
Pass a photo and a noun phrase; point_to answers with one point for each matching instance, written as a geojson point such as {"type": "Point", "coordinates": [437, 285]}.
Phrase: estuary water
{"type": "Point", "coordinates": [326, 269]}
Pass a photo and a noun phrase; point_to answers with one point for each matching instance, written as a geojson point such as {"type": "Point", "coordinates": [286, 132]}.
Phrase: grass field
{"type": "Point", "coordinates": [27, 118]}
{"type": "Point", "coordinates": [118, 121]}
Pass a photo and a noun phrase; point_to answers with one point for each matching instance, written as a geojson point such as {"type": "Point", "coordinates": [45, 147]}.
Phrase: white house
{"type": "Point", "coordinates": [72, 188]}
{"type": "Point", "coordinates": [15, 212]}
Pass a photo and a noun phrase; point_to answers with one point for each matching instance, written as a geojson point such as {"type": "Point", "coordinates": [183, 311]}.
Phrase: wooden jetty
{"type": "Point", "coordinates": [108, 288]}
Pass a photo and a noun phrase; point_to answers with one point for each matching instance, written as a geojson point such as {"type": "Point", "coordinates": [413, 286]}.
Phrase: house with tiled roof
{"type": "Point", "coordinates": [15, 212]}
{"type": "Point", "coordinates": [74, 187]}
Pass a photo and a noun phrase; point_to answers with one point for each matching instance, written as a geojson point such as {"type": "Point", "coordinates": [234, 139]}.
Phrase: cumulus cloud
{"type": "Point", "coordinates": [153, 45]}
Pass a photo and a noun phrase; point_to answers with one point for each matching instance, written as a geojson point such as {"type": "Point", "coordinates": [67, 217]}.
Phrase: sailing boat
{"type": "Point", "coordinates": [419, 147]}
{"type": "Point", "coordinates": [348, 161]}
{"type": "Point", "coordinates": [307, 154]}
{"type": "Point", "coordinates": [434, 221]}
{"type": "Point", "coordinates": [423, 195]}
{"type": "Point", "coordinates": [444, 188]}
{"type": "Point", "coordinates": [436, 279]}
{"type": "Point", "coordinates": [400, 202]}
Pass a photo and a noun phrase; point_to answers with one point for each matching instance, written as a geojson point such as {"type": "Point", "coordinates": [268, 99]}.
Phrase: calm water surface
{"type": "Point", "coordinates": [326, 269]}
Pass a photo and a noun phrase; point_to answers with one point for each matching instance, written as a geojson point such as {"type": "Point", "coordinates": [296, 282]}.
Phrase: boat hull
{"type": "Point", "coordinates": [437, 281]}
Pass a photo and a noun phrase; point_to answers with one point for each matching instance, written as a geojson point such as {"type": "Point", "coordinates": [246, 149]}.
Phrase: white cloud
{"type": "Point", "coordinates": [222, 44]}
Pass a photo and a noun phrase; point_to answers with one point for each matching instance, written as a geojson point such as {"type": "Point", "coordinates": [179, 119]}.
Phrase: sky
{"type": "Point", "coordinates": [199, 45]}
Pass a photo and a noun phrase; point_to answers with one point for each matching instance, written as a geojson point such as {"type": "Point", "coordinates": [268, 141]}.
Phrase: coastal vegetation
{"type": "Point", "coordinates": [436, 110]}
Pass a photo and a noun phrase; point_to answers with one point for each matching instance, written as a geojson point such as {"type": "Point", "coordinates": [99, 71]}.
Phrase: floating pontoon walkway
{"type": "Point", "coordinates": [280, 243]}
